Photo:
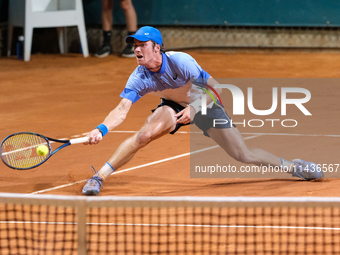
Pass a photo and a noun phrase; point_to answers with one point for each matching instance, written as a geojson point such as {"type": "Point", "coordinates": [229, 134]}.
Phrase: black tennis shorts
{"type": "Point", "coordinates": [203, 122]}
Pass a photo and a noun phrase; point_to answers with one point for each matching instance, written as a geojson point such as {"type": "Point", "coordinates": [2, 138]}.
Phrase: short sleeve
{"type": "Point", "coordinates": [189, 67]}
{"type": "Point", "coordinates": [130, 94]}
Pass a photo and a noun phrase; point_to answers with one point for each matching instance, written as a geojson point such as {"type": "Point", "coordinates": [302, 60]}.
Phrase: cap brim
{"type": "Point", "coordinates": [130, 38]}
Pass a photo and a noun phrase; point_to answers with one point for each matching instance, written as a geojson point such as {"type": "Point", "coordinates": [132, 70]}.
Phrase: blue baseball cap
{"type": "Point", "coordinates": [144, 34]}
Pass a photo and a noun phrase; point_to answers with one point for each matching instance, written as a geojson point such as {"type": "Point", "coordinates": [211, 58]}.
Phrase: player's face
{"type": "Point", "coordinates": [145, 52]}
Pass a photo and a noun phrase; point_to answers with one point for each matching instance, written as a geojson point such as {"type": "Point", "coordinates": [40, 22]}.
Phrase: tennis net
{"type": "Point", "coordinates": [48, 224]}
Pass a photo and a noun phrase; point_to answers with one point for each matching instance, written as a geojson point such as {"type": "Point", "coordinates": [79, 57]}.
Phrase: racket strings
{"type": "Point", "coordinates": [19, 151]}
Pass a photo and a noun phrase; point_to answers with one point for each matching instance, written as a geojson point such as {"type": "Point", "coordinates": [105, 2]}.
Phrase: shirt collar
{"type": "Point", "coordinates": [164, 62]}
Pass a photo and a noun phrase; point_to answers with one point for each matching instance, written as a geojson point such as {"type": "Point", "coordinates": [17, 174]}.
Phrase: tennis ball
{"type": "Point", "coordinates": [42, 150]}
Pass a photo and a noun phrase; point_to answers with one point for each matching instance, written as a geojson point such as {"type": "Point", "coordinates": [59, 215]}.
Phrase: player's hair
{"type": "Point", "coordinates": [162, 50]}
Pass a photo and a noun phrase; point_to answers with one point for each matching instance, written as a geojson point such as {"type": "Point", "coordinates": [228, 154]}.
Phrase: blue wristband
{"type": "Point", "coordinates": [103, 129]}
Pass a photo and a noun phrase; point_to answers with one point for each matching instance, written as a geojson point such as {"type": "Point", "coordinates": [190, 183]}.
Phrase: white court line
{"type": "Point", "coordinates": [170, 225]}
{"type": "Point", "coordinates": [132, 132]}
{"type": "Point", "coordinates": [278, 134]}
{"type": "Point", "coordinates": [22, 149]}
{"type": "Point", "coordinates": [283, 134]}
{"type": "Point", "coordinates": [254, 135]}
{"type": "Point", "coordinates": [28, 148]}
{"type": "Point", "coordinates": [140, 166]}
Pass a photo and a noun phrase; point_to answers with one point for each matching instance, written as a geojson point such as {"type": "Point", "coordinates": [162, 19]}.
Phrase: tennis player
{"type": "Point", "coordinates": [169, 75]}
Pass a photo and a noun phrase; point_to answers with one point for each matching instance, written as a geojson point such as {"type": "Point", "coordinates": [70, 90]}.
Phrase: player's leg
{"type": "Point", "coordinates": [159, 123]}
{"type": "Point", "coordinates": [231, 140]}
{"type": "Point", "coordinates": [106, 48]}
{"type": "Point", "coordinates": [131, 25]}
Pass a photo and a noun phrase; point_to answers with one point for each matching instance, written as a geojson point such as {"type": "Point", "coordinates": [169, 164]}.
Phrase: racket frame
{"type": "Point", "coordinates": [47, 139]}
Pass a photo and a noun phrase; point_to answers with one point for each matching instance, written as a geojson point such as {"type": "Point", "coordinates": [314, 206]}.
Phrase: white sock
{"type": "Point", "coordinates": [105, 171]}
{"type": "Point", "coordinates": [287, 166]}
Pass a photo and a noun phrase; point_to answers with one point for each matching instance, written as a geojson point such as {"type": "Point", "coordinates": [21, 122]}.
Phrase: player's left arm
{"type": "Point", "coordinates": [188, 113]}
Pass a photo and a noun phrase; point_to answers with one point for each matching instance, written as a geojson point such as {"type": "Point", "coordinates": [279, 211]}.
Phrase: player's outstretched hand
{"type": "Point", "coordinates": [95, 137]}
{"type": "Point", "coordinates": [185, 116]}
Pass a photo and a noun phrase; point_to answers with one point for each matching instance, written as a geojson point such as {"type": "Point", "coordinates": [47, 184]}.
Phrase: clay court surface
{"type": "Point", "coordinates": [66, 96]}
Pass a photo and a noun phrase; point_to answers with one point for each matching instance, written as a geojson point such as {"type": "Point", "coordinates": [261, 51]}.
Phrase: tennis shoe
{"type": "Point", "coordinates": [307, 170]}
{"type": "Point", "coordinates": [104, 51]}
{"type": "Point", "coordinates": [128, 51]}
{"type": "Point", "coordinates": [92, 186]}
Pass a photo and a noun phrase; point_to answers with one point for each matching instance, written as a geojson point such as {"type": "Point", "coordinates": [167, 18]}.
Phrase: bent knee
{"type": "Point", "coordinates": [244, 157]}
{"type": "Point", "coordinates": [125, 5]}
{"type": "Point", "coordinates": [143, 138]}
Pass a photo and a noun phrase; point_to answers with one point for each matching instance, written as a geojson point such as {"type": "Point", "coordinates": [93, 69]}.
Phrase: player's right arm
{"type": "Point", "coordinates": [112, 120]}
{"type": "Point", "coordinates": [132, 92]}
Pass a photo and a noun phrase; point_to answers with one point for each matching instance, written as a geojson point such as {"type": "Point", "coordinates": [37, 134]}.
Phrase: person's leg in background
{"type": "Point", "coordinates": [106, 49]}
{"type": "Point", "coordinates": [131, 25]}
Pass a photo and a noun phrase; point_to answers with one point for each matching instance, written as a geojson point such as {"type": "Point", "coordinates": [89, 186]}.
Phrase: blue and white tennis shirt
{"type": "Point", "coordinates": [172, 82]}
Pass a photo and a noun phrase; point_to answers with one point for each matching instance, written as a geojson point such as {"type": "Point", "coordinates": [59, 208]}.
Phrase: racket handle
{"type": "Point", "coordinates": [79, 140]}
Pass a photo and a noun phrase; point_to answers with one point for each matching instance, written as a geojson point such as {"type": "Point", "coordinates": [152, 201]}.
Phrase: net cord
{"type": "Point", "coordinates": [124, 201]}
{"type": "Point", "coordinates": [82, 204]}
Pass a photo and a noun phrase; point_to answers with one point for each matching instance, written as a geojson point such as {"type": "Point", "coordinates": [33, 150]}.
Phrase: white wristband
{"type": "Point", "coordinates": [197, 105]}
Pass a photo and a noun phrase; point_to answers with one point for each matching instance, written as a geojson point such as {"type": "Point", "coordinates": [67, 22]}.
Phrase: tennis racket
{"type": "Point", "coordinates": [19, 150]}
